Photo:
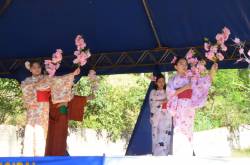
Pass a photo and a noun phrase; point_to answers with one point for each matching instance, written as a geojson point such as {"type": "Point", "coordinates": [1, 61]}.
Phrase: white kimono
{"type": "Point", "coordinates": [161, 122]}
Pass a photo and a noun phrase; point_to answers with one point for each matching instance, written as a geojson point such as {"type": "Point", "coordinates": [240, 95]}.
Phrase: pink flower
{"type": "Point", "coordinates": [210, 55]}
{"type": "Point", "coordinates": [214, 49]}
{"type": "Point", "coordinates": [240, 59]}
{"type": "Point", "coordinates": [79, 41]}
{"type": "Point", "coordinates": [47, 62]}
{"type": "Point", "coordinates": [88, 54]}
{"type": "Point", "coordinates": [76, 61]}
{"type": "Point", "coordinates": [190, 53]}
{"type": "Point", "coordinates": [248, 52]}
{"type": "Point", "coordinates": [226, 33]}
{"type": "Point", "coordinates": [57, 56]}
{"type": "Point", "coordinates": [51, 71]}
{"type": "Point", "coordinates": [223, 47]}
{"type": "Point", "coordinates": [247, 60]}
{"type": "Point", "coordinates": [201, 67]}
{"type": "Point", "coordinates": [220, 56]}
{"type": "Point", "coordinates": [81, 59]}
{"type": "Point", "coordinates": [59, 51]}
{"type": "Point", "coordinates": [194, 70]}
{"type": "Point", "coordinates": [50, 67]}
{"type": "Point", "coordinates": [57, 66]}
{"type": "Point", "coordinates": [76, 53]}
{"type": "Point", "coordinates": [174, 60]}
{"type": "Point", "coordinates": [193, 61]}
{"type": "Point", "coordinates": [236, 40]}
{"type": "Point", "coordinates": [81, 54]}
{"type": "Point", "coordinates": [225, 37]}
{"type": "Point", "coordinates": [220, 38]}
{"type": "Point", "coordinates": [189, 73]}
{"type": "Point", "coordinates": [241, 51]}
{"type": "Point", "coordinates": [206, 46]}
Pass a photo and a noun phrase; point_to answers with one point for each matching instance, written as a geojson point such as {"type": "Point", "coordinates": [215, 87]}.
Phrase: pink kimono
{"type": "Point", "coordinates": [183, 109]}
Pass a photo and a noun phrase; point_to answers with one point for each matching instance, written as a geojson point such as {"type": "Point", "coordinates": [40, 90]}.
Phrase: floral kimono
{"type": "Point", "coordinates": [183, 109]}
{"type": "Point", "coordinates": [161, 122]}
{"type": "Point", "coordinates": [37, 116]}
{"type": "Point", "coordinates": [36, 100]}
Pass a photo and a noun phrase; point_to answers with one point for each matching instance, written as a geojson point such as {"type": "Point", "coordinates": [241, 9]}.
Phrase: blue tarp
{"type": "Point", "coordinates": [30, 29]}
{"type": "Point", "coordinates": [141, 140]}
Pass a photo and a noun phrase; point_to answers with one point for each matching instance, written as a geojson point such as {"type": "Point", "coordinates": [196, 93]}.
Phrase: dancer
{"type": "Point", "coordinates": [36, 95]}
{"type": "Point", "coordinates": [62, 110]}
{"type": "Point", "coordinates": [160, 119]}
{"type": "Point", "coordinates": [37, 110]}
{"type": "Point", "coordinates": [60, 114]}
{"type": "Point", "coordinates": [185, 94]}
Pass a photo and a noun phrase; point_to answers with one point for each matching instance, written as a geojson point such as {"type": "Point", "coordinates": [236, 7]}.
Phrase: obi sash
{"type": "Point", "coordinates": [187, 94]}
{"type": "Point", "coordinates": [43, 96]}
{"type": "Point", "coordinates": [164, 106]}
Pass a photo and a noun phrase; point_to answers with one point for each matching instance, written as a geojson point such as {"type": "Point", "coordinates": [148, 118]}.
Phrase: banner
{"type": "Point", "coordinates": [54, 160]}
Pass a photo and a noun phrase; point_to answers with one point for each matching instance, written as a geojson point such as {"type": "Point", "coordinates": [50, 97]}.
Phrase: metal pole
{"type": "Point", "coordinates": [151, 23]}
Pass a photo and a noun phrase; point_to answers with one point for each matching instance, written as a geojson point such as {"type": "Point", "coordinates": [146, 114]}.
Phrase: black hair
{"type": "Point", "coordinates": [159, 76]}
{"type": "Point", "coordinates": [35, 62]}
{"type": "Point", "coordinates": [178, 59]}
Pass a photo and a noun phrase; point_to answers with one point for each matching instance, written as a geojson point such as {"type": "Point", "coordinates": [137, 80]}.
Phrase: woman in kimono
{"type": "Point", "coordinates": [36, 93]}
{"type": "Point", "coordinates": [64, 106]}
{"type": "Point", "coordinates": [37, 112]}
{"type": "Point", "coordinates": [160, 119]}
{"type": "Point", "coordinates": [185, 94]}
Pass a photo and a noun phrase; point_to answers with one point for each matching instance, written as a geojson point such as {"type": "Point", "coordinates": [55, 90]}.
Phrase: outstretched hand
{"type": "Point", "coordinates": [214, 67]}
{"type": "Point", "coordinates": [213, 70]}
{"type": "Point", "coordinates": [91, 97]}
{"type": "Point", "coordinates": [186, 87]}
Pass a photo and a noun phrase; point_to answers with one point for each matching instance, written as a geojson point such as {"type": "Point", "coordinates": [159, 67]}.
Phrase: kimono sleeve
{"type": "Point", "coordinates": [61, 88]}
{"type": "Point", "coordinates": [28, 94]}
{"type": "Point", "coordinates": [200, 89]}
{"type": "Point", "coordinates": [76, 108]}
{"type": "Point", "coordinates": [172, 98]}
{"type": "Point", "coordinates": [151, 99]}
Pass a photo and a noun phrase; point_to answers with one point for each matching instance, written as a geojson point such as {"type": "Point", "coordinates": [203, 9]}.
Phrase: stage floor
{"type": "Point", "coordinates": [171, 160]}
{"type": "Point", "coordinates": [125, 160]}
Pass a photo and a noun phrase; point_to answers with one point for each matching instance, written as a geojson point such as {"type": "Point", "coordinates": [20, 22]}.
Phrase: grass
{"type": "Point", "coordinates": [241, 153]}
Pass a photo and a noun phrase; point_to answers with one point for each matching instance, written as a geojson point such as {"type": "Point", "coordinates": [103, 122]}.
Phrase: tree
{"type": "Point", "coordinates": [116, 106]}
{"type": "Point", "coordinates": [228, 104]}
{"type": "Point", "coordinates": [10, 101]}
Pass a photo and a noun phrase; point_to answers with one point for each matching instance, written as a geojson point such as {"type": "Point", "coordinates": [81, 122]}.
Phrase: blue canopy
{"type": "Point", "coordinates": [125, 36]}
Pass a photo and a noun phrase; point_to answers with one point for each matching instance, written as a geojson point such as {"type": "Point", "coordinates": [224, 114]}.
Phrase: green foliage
{"type": "Point", "coordinates": [241, 152]}
{"type": "Point", "coordinates": [228, 103]}
{"type": "Point", "coordinates": [116, 105]}
{"type": "Point", "coordinates": [11, 106]}
{"type": "Point", "coordinates": [120, 97]}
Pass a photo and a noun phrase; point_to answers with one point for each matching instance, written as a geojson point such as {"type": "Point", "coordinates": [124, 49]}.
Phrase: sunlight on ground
{"type": "Point", "coordinates": [241, 153]}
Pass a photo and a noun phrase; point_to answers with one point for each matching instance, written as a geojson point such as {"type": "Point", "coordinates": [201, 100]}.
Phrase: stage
{"type": "Point", "coordinates": [127, 160]}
